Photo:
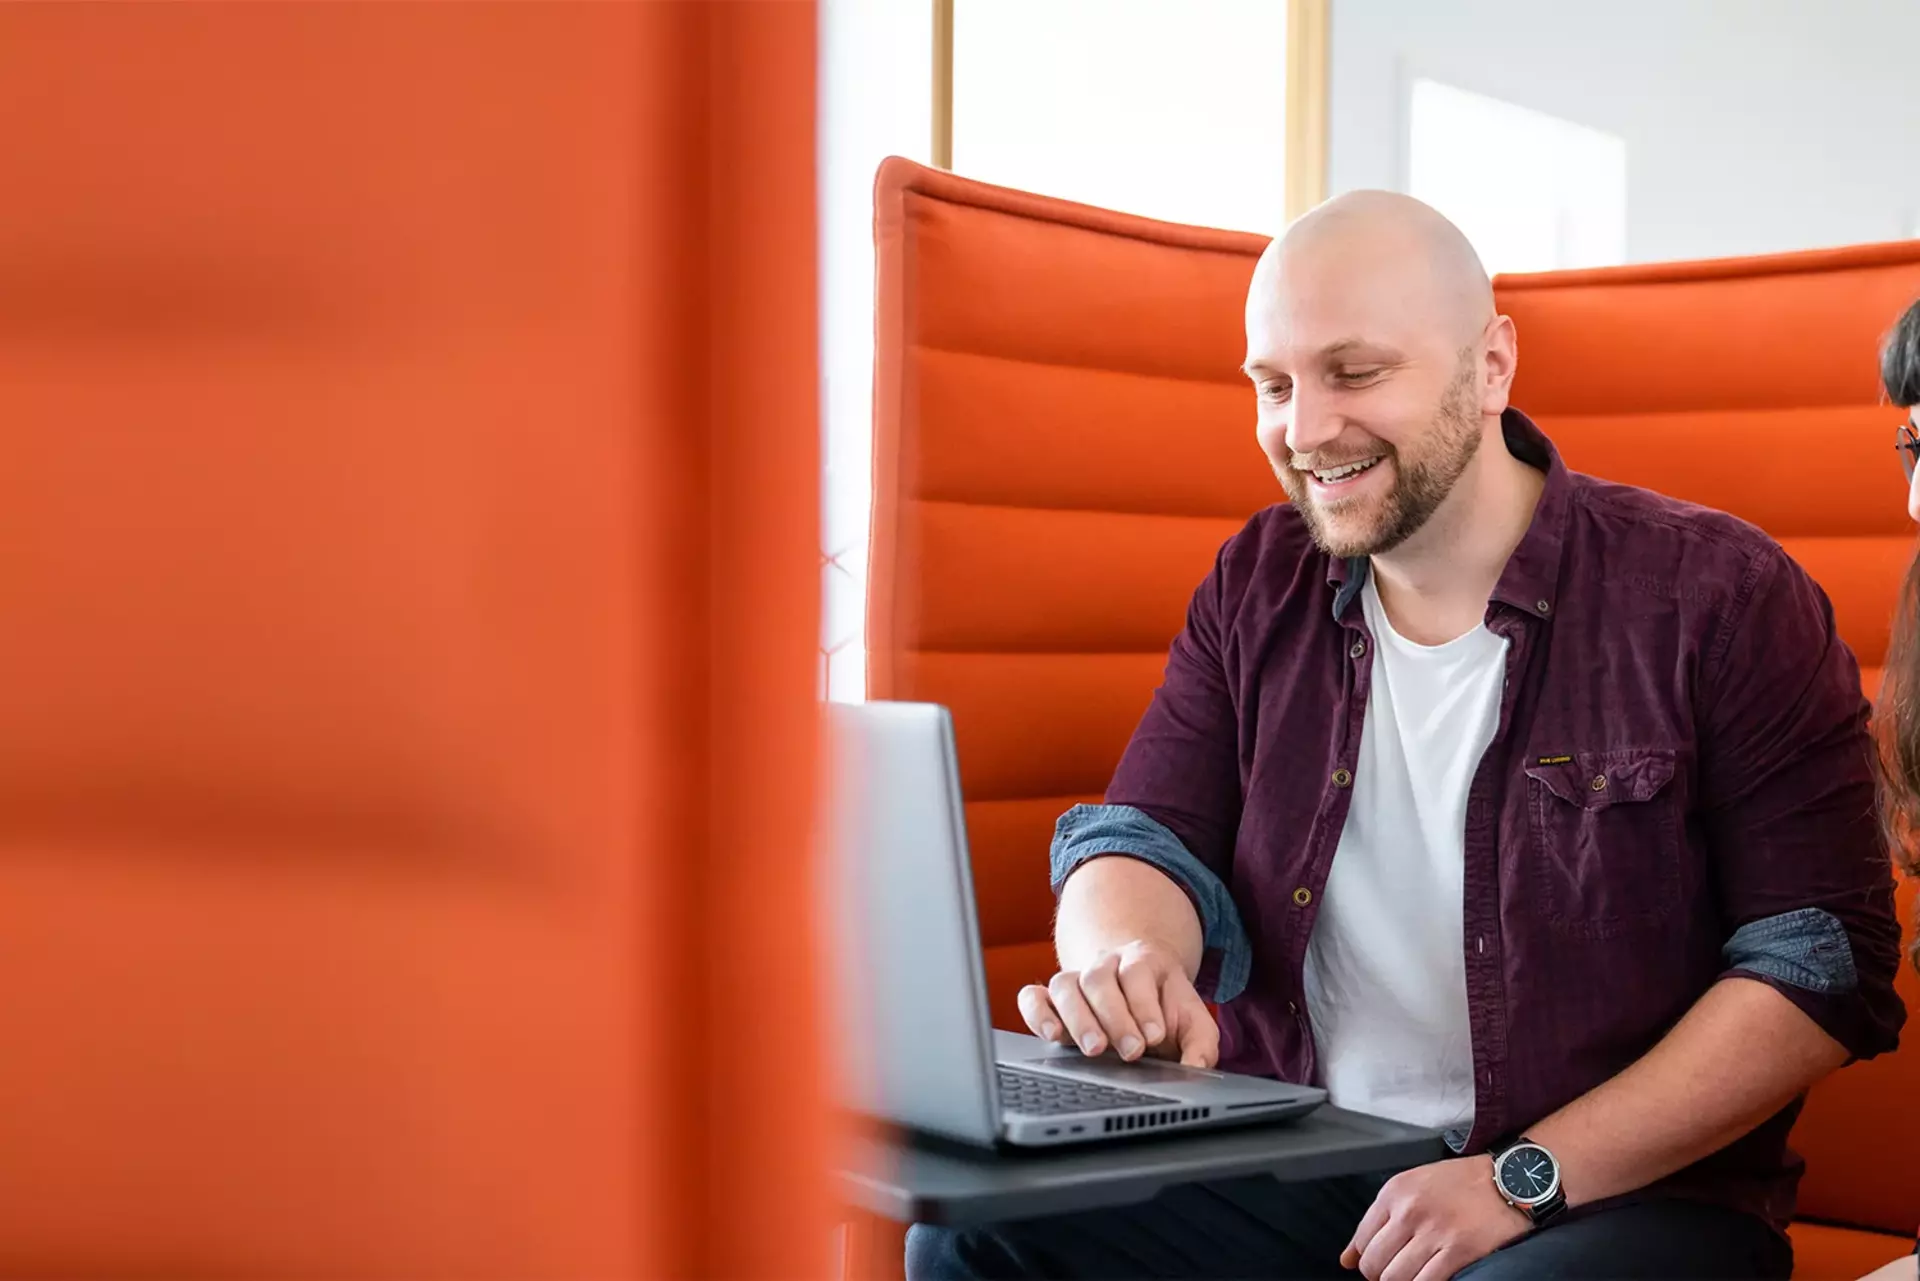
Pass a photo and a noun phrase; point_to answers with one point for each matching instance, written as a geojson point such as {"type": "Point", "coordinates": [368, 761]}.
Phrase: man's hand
{"type": "Point", "coordinates": [1430, 1222]}
{"type": "Point", "coordinates": [1136, 998]}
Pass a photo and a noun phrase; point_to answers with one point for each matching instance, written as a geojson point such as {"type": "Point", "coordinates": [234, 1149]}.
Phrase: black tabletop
{"type": "Point", "coordinates": [918, 1180]}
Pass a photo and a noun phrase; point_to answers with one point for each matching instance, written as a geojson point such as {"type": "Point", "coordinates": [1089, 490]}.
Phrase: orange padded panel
{"type": "Point", "coordinates": [1751, 385]}
{"type": "Point", "coordinates": [1010, 968]}
{"type": "Point", "coordinates": [389, 592]}
{"type": "Point", "coordinates": [1015, 433]}
{"type": "Point", "coordinates": [1062, 441]}
{"type": "Point", "coordinates": [999, 273]}
{"type": "Point", "coordinates": [1035, 724]}
{"type": "Point", "coordinates": [1827, 472]}
{"type": "Point", "coordinates": [1864, 1116]}
{"type": "Point", "coordinates": [1003, 836]}
{"type": "Point", "coordinates": [994, 595]}
{"type": "Point", "coordinates": [1825, 1253]}
{"type": "Point", "coordinates": [1796, 331]}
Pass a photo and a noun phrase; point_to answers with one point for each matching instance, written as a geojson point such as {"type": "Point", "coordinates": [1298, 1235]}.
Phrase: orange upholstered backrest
{"type": "Point", "coordinates": [407, 665]}
{"type": "Point", "coordinates": [1751, 385]}
{"type": "Point", "coordinates": [1747, 385]}
{"type": "Point", "coordinates": [1062, 441]}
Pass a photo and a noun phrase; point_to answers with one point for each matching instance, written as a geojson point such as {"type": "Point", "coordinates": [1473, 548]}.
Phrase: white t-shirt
{"type": "Point", "coordinates": [1386, 978]}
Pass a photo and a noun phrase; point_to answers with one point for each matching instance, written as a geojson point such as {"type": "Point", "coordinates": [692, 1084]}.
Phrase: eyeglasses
{"type": "Point", "coordinates": [1908, 443]}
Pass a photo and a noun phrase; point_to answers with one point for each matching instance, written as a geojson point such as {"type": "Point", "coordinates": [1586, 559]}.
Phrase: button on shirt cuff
{"type": "Point", "coordinates": [1092, 831]}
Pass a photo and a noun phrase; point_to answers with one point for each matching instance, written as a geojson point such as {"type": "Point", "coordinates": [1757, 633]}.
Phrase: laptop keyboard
{"type": "Point", "coordinates": [1040, 1094]}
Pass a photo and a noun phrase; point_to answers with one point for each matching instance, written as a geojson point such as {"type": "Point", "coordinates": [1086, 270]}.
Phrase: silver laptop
{"type": "Point", "coordinates": [911, 985]}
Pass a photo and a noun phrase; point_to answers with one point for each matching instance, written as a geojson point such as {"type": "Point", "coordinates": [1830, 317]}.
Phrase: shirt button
{"type": "Point", "coordinates": [1342, 777]}
{"type": "Point", "coordinates": [1543, 607]}
{"type": "Point", "coordinates": [1359, 648]}
{"type": "Point", "coordinates": [1302, 896]}
{"type": "Point", "coordinates": [1599, 782]}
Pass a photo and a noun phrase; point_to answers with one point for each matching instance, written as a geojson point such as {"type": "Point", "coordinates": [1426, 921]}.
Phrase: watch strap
{"type": "Point", "coordinates": [1548, 1210]}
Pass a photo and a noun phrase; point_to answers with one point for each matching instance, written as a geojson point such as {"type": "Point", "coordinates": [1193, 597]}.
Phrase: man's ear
{"type": "Point", "coordinates": [1502, 346]}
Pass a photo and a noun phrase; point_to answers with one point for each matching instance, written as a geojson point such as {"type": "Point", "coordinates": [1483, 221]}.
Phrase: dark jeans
{"type": "Point", "coordinates": [1260, 1227]}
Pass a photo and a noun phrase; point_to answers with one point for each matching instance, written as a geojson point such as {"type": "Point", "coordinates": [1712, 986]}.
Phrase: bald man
{"type": "Point", "coordinates": [1492, 797]}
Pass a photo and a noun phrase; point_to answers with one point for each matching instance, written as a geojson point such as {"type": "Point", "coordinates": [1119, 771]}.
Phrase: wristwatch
{"type": "Point", "coordinates": [1529, 1178]}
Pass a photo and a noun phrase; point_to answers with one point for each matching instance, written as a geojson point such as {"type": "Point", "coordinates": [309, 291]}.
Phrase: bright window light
{"type": "Point", "coordinates": [1532, 192]}
{"type": "Point", "coordinates": [1173, 110]}
{"type": "Point", "coordinates": [876, 100]}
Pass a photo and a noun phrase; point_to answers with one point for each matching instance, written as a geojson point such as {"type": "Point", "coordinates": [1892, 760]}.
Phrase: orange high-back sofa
{"type": "Point", "coordinates": [1063, 439]}
{"type": "Point", "coordinates": [407, 641]}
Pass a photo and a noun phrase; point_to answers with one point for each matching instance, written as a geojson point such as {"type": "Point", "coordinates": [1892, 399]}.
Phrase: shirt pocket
{"type": "Point", "coordinates": [1606, 840]}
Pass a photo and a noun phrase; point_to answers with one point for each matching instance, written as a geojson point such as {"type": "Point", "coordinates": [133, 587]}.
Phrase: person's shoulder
{"type": "Point", "coordinates": [1277, 528]}
{"type": "Point", "coordinates": [1273, 536]}
{"type": "Point", "coordinates": [1272, 562]}
{"type": "Point", "coordinates": [1642, 527]}
{"type": "Point", "coordinates": [1660, 516]}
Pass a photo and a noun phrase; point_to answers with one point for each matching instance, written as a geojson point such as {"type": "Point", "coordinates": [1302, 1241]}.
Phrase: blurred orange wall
{"type": "Point", "coordinates": [408, 499]}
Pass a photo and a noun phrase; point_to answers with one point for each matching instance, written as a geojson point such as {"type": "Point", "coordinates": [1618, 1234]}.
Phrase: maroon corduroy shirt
{"type": "Point", "coordinates": [1679, 790]}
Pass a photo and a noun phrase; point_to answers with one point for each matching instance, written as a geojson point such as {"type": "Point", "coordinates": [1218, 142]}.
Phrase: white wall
{"type": "Point", "coordinates": [1751, 125]}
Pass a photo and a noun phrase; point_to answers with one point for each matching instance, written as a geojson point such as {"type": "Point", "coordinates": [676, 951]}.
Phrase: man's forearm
{"type": "Point", "coordinates": [1741, 1054]}
{"type": "Point", "coordinates": [1111, 901]}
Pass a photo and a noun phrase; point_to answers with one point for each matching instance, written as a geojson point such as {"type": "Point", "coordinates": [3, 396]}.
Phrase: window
{"type": "Point", "coordinates": [876, 100]}
{"type": "Point", "coordinates": [1532, 192]}
{"type": "Point", "coordinates": [1176, 111]}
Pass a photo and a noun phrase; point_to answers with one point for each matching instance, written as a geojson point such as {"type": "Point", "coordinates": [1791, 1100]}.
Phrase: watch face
{"type": "Point", "coordinates": [1527, 1174]}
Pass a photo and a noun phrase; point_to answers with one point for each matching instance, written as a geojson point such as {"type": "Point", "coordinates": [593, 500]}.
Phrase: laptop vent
{"type": "Point", "coordinates": [1153, 1120]}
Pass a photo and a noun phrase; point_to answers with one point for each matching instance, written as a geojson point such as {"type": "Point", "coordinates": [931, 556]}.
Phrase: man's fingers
{"type": "Point", "coordinates": [1082, 1027]}
{"type": "Point", "coordinates": [1411, 1263]}
{"type": "Point", "coordinates": [1101, 986]}
{"type": "Point", "coordinates": [1042, 1019]}
{"type": "Point", "coordinates": [1439, 1268]}
{"type": "Point", "coordinates": [1140, 984]}
{"type": "Point", "coordinates": [1197, 1034]}
{"type": "Point", "coordinates": [1128, 1000]}
{"type": "Point", "coordinates": [1379, 1253]}
{"type": "Point", "coordinates": [1370, 1224]}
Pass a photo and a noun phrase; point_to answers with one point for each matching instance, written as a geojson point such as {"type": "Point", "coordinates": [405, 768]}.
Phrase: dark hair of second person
{"type": "Point", "coordinates": [1897, 716]}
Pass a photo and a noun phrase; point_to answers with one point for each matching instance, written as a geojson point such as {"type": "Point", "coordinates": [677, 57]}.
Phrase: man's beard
{"type": "Point", "coordinates": [1419, 487]}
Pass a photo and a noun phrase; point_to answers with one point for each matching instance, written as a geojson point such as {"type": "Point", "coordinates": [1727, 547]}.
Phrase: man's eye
{"type": "Point", "coordinates": [1276, 392]}
{"type": "Point", "coordinates": [1356, 377]}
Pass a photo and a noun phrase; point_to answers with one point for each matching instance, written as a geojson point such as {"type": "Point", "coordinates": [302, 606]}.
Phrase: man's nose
{"type": "Point", "coordinates": [1313, 424]}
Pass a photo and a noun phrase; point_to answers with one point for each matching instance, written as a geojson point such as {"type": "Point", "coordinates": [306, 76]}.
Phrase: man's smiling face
{"type": "Point", "coordinates": [1367, 370]}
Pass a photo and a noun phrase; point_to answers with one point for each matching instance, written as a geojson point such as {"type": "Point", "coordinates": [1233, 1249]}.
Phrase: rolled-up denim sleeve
{"type": "Point", "coordinates": [1096, 831]}
{"type": "Point", "coordinates": [1805, 882]}
{"type": "Point", "coordinates": [1807, 949]}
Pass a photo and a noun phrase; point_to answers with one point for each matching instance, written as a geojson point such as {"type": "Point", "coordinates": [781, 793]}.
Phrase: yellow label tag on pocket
{"type": "Point", "coordinates": [1555, 760]}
